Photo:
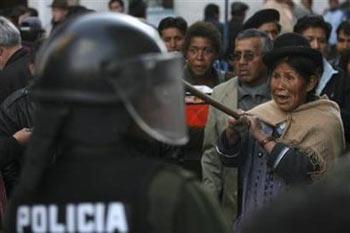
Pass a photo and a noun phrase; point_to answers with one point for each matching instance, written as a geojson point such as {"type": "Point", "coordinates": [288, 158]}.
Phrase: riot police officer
{"type": "Point", "coordinates": [106, 90]}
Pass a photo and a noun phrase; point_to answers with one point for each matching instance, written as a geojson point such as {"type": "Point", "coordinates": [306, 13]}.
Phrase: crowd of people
{"type": "Point", "coordinates": [98, 134]}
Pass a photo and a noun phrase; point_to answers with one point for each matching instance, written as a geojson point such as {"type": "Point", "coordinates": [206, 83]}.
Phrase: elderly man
{"type": "Point", "coordinates": [245, 91]}
{"type": "Point", "coordinates": [14, 60]}
{"type": "Point", "coordinates": [332, 82]}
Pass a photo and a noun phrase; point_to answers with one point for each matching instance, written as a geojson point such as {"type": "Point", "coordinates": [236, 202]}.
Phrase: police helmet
{"type": "Point", "coordinates": [106, 59]}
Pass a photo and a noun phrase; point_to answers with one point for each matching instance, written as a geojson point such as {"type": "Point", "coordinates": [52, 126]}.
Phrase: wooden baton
{"type": "Point", "coordinates": [210, 100]}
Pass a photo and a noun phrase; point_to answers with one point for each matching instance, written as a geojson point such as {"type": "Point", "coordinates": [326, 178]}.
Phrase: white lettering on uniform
{"type": "Point", "coordinates": [85, 211]}
{"type": "Point", "coordinates": [22, 218]}
{"type": "Point", "coordinates": [39, 219]}
{"type": "Point", "coordinates": [116, 218]}
{"type": "Point", "coordinates": [54, 225]}
{"type": "Point", "coordinates": [83, 217]}
{"type": "Point", "coordinates": [99, 217]}
{"type": "Point", "coordinates": [70, 218]}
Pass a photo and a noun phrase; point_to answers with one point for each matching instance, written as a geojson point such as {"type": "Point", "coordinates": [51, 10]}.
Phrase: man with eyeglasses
{"type": "Point", "coordinates": [248, 89]}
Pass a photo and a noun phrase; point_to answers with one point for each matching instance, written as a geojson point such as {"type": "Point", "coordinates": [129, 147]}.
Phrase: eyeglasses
{"type": "Point", "coordinates": [248, 56]}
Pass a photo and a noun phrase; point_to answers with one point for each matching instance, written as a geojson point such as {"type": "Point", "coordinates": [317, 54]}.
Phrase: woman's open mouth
{"type": "Point", "coordinates": [282, 99]}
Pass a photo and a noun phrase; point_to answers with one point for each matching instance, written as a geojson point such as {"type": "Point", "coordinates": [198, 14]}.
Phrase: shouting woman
{"type": "Point", "coordinates": [292, 139]}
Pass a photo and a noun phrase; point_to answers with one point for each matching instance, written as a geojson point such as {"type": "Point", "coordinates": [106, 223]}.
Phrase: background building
{"type": "Point", "coordinates": [191, 10]}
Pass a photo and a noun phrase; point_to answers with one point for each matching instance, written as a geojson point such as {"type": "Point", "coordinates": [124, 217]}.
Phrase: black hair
{"type": "Point", "coordinates": [238, 9]}
{"type": "Point", "coordinates": [31, 33]}
{"type": "Point", "coordinates": [304, 66]}
{"type": "Point", "coordinates": [137, 8]}
{"type": "Point", "coordinates": [13, 13]}
{"type": "Point", "coordinates": [211, 11]}
{"type": "Point", "coordinates": [171, 22]}
{"type": "Point", "coordinates": [313, 21]}
{"type": "Point", "coordinates": [206, 30]}
{"type": "Point", "coordinates": [344, 27]}
{"type": "Point", "coordinates": [121, 3]}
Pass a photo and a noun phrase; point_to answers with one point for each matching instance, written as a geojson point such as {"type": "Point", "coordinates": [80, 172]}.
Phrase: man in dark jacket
{"type": "Point", "coordinates": [14, 70]}
{"type": "Point", "coordinates": [98, 118]}
{"type": "Point", "coordinates": [332, 83]}
{"type": "Point", "coordinates": [16, 117]}
{"type": "Point", "coordinates": [15, 120]}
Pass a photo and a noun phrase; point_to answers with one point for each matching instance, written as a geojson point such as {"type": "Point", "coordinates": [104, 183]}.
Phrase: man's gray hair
{"type": "Point", "coordinates": [266, 42]}
{"type": "Point", "coordinates": [9, 34]}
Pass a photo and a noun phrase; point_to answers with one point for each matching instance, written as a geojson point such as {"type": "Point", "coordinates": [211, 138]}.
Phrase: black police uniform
{"type": "Point", "coordinates": [152, 197]}
{"type": "Point", "coordinates": [88, 166]}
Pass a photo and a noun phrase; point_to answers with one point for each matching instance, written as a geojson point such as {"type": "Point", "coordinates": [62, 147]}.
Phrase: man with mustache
{"type": "Point", "coordinates": [248, 89]}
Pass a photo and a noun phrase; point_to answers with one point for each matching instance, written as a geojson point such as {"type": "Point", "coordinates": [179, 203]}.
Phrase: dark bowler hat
{"type": "Point", "coordinates": [59, 4]}
{"type": "Point", "coordinates": [291, 44]}
{"type": "Point", "coordinates": [261, 17]}
{"type": "Point", "coordinates": [238, 7]}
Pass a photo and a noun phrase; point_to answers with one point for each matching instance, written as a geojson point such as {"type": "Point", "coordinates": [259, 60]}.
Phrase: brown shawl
{"type": "Point", "coordinates": [314, 128]}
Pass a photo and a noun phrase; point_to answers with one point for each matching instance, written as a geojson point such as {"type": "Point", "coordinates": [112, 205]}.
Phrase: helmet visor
{"type": "Point", "coordinates": [151, 88]}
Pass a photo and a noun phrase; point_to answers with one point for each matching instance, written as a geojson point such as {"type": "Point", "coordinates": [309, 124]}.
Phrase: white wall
{"type": "Point", "coordinates": [43, 9]}
{"type": "Point", "coordinates": [98, 5]}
